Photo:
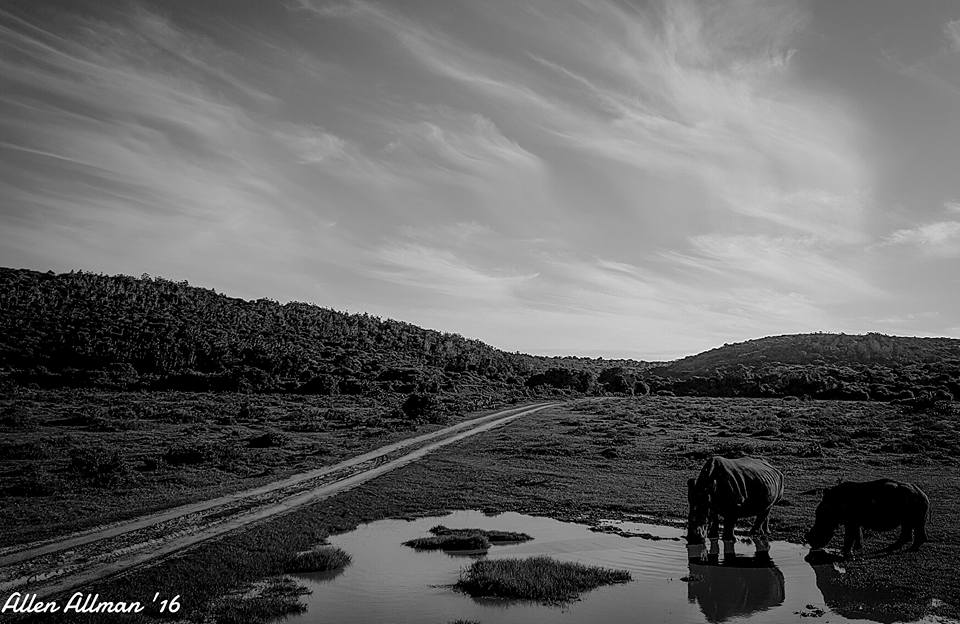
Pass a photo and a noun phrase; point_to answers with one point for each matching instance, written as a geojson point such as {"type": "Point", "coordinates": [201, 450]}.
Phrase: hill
{"type": "Point", "coordinates": [824, 366]}
{"type": "Point", "coordinates": [88, 330]}
{"type": "Point", "coordinates": [819, 349]}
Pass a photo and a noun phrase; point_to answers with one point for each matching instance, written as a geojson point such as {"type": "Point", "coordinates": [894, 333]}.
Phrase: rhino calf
{"type": "Point", "coordinates": [732, 489]}
{"type": "Point", "coordinates": [880, 505]}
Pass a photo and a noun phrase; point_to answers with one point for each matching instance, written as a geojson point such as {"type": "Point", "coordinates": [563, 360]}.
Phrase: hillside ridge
{"type": "Point", "coordinates": [82, 329]}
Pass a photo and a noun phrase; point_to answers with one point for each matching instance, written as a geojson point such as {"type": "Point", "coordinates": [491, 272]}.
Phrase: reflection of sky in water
{"type": "Point", "coordinates": [389, 582]}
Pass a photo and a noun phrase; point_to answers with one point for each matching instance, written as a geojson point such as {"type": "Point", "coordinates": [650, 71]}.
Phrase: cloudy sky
{"type": "Point", "coordinates": [592, 177]}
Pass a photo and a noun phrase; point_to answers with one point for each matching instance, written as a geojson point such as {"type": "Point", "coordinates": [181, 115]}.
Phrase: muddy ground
{"type": "Point", "coordinates": [610, 458]}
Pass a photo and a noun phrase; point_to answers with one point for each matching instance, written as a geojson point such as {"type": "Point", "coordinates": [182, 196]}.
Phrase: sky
{"type": "Point", "coordinates": [564, 177]}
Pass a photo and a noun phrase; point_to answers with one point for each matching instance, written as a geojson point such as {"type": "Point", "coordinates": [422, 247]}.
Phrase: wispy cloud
{"type": "Point", "coordinates": [442, 271]}
{"type": "Point", "coordinates": [952, 30]}
{"type": "Point", "coordinates": [941, 238]}
{"type": "Point", "coordinates": [685, 90]}
{"type": "Point", "coordinates": [644, 178]}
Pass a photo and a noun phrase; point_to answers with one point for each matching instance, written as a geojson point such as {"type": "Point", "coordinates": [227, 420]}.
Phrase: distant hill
{"type": "Point", "coordinates": [820, 366]}
{"type": "Point", "coordinates": [820, 349]}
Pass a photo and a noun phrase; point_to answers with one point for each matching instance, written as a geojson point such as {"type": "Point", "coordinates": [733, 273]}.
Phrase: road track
{"type": "Point", "coordinates": [51, 567]}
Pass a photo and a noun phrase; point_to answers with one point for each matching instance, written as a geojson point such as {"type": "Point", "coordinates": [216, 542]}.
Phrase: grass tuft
{"type": "Point", "coordinates": [320, 559]}
{"type": "Point", "coordinates": [537, 578]}
{"type": "Point", "coordinates": [495, 537]}
{"type": "Point", "coordinates": [263, 602]}
{"type": "Point", "coordinates": [470, 541]}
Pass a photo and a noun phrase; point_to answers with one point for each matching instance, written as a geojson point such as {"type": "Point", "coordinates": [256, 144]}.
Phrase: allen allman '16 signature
{"type": "Point", "coordinates": [80, 602]}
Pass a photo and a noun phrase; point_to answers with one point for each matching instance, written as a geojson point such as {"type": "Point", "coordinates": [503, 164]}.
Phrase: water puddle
{"type": "Point", "coordinates": [389, 582]}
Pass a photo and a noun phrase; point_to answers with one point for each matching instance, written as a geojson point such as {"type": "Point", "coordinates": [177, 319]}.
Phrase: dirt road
{"type": "Point", "coordinates": [58, 565]}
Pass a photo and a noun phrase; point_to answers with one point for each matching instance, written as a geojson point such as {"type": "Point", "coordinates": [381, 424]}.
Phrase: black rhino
{"type": "Point", "coordinates": [732, 489]}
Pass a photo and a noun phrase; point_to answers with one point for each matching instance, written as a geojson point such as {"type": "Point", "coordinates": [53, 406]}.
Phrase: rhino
{"type": "Point", "coordinates": [732, 489]}
{"type": "Point", "coordinates": [880, 505]}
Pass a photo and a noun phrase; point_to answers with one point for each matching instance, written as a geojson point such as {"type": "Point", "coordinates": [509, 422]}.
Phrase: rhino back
{"type": "Point", "coordinates": [754, 481]}
{"type": "Point", "coordinates": [881, 504]}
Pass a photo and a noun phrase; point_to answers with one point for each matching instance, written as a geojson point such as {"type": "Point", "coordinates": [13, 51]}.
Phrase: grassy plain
{"type": "Point", "coordinates": [624, 457]}
{"type": "Point", "coordinates": [74, 459]}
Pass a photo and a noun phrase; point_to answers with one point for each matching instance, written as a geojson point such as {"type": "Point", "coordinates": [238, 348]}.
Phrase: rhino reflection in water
{"type": "Point", "coordinates": [878, 604]}
{"type": "Point", "coordinates": [737, 586]}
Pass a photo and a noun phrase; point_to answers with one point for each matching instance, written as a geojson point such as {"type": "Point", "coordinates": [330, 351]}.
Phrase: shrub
{"type": "Point", "coordinates": [617, 380]}
{"type": "Point", "coordinates": [25, 450]}
{"type": "Point", "coordinates": [99, 466]}
{"type": "Point", "coordinates": [733, 449]}
{"type": "Point", "coordinates": [421, 406]}
{"type": "Point", "coordinates": [562, 378]}
{"type": "Point", "coordinates": [267, 440]}
{"type": "Point", "coordinates": [188, 453]}
{"type": "Point", "coordinates": [34, 482]}
{"type": "Point", "coordinates": [325, 385]}
{"type": "Point", "coordinates": [179, 416]}
{"type": "Point", "coordinates": [17, 420]}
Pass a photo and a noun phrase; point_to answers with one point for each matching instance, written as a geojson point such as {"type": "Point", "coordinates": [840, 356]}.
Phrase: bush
{"type": "Point", "coordinates": [267, 440]}
{"type": "Point", "coordinates": [421, 406]}
{"type": "Point", "coordinates": [17, 420]}
{"type": "Point", "coordinates": [617, 380]}
{"type": "Point", "coordinates": [34, 482]}
{"type": "Point", "coordinates": [25, 450]}
{"type": "Point", "coordinates": [562, 378]}
{"type": "Point", "coordinates": [188, 453]}
{"type": "Point", "coordinates": [325, 385]}
{"type": "Point", "coordinates": [99, 466]}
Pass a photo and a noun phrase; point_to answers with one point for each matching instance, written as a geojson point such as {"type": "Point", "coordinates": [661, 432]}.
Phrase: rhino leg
{"type": "Point", "coordinates": [729, 523]}
{"type": "Point", "coordinates": [713, 525]}
{"type": "Point", "coordinates": [761, 525]}
{"type": "Point", "coordinates": [920, 530]}
{"type": "Point", "coordinates": [919, 536]}
{"type": "Point", "coordinates": [906, 534]}
{"type": "Point", "coordinates": [852, 538]}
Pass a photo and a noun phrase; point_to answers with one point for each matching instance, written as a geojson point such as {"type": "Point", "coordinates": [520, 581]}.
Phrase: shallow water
{"type": "Point", "coordinates": [389, 582]}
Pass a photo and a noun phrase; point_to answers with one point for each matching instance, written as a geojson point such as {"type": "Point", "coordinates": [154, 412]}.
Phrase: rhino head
{"type": "Point", "coordinates": [828, 517]}
{"type": "Point", "coordinates": [698, 499]}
